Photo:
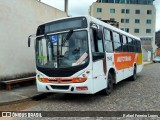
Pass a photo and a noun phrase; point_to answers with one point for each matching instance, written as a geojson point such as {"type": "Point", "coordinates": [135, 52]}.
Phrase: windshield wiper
{"type": "Point", "coordinates": [67, 37]}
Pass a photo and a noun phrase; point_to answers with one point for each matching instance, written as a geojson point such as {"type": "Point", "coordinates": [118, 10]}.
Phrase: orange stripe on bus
{"type": "Point", "coordinates": [124, 60]}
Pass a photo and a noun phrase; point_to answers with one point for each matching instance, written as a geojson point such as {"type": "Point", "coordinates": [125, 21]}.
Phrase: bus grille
{"type": "Point", "coordinates": [60, 87]}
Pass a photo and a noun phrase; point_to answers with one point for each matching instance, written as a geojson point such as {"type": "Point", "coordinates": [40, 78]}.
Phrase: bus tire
{"type": "Point", "coordinates": [134, 76]}
{"type": "Point", "coordinates": [107, 91]}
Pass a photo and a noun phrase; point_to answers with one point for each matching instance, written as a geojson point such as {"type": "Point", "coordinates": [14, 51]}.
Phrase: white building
{"type": "Point", "coordinates": [19, 19]}
{"type": "Point", "coordinates": [134, 16]}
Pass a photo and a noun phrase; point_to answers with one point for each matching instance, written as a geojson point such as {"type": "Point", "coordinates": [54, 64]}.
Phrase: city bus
{"type": "Point", "coordinates": [84, 55]}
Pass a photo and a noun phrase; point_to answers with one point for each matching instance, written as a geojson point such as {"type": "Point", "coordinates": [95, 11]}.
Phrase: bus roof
{"type": "Point", "coordinates": [99, 22]}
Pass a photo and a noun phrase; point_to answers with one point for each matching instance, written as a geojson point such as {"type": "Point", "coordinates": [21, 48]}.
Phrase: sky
{"type": "Point", "coordinates": [80, 7]}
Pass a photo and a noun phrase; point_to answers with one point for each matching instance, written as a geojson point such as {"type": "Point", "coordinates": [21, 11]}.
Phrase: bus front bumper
{"type": "Point", "coordinates": [78, 88]}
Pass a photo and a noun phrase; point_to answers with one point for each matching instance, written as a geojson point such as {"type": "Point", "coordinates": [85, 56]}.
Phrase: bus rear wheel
{"type": "Point", "coordinates": [107, 91]}
{"type": "Point", "coordinates": [134, 76]}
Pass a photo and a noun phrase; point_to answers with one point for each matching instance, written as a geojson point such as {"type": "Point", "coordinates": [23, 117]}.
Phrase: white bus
{"type": "Point", "coordinates": [84, 55]}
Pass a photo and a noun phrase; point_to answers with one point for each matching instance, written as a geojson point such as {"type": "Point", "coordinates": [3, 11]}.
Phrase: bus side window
{"type": "Point", "coordinates": [134, 45]}
{"type": "Point", "coordinates": [130, 44]}
{"type": "Point", "coordinates": [108, 41]}
{"type": "Point", "coordinates": [98, 50]}
{"type": "Point", "coordinates": [125, 44]}
{"type": "Point", "coordinates": [139, 46]}
{"type": "Point", "coordinates": [117, 42]}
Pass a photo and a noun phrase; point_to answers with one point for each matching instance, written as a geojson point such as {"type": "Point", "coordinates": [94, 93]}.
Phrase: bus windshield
{"type": "Point", "coordinates": [59, 51]}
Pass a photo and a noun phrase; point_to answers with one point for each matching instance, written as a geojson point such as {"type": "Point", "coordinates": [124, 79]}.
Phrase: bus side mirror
{"type": "Point", "coordinates": [94, 26]}
{"type": "Point", "coordinates": [29, 41]}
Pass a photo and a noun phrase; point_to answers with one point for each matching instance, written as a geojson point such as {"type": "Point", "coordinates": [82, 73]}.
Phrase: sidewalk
{"type": "Point", "coordinates": [22, 93]}
{"type": "Point", "coordinates": [146, 63]}
{"type": "Point", "coordinates": [18, 94]}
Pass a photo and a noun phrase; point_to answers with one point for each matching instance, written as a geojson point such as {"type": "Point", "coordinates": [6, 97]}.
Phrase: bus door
{"type": "Point", "coordinates": [99, 62]}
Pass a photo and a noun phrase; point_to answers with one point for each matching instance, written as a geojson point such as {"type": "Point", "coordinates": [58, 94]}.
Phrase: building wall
{"type": "Point", "coordinates": [19, 19]}
{"type": "Point", "coordinates": [143, 16]}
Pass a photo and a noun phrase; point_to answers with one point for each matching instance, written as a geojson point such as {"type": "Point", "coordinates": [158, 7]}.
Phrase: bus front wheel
{"type": "Point", "coordinates": [107, 91]}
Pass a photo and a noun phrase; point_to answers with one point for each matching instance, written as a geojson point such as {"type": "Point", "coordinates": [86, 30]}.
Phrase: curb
{"type": "Point", "coordinates": [16, 101]}
{"type": "Point", "coordinates": [34, 98]}
{"type": "Point", "coordinates": [148, 64]}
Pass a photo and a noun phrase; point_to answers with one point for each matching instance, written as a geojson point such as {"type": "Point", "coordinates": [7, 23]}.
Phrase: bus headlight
{"type": "Point", "coordinates": [39, 78]}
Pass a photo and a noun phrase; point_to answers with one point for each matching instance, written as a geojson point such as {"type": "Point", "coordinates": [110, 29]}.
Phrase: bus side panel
{"type": "Point", "coordinates": [119, 69]}
{"type": "Point", "coordinates": [99, 80]}
{"type": "Point", "coordinates": [124, 63]}
{"type": "Point", "coordinates": [111, 65]}
{"type": "Point", "coordinates": [140, 62]}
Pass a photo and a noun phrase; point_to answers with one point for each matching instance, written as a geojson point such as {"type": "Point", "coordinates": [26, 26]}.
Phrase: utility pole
{"type": "Point", "coordinates": [66, 6]}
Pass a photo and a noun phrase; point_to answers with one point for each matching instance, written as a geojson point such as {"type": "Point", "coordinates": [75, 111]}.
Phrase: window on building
{"type": "Point", "coordinates": [127, 30]}
{"type": "Point", "coordinates": [144, 2]}
{"type": "Point", "coordinates": [122, 20]}
{"type": "Point", "coordinates": [148, 21]}
{"type": "Point", "coordinates": [128, 1]}
{"type": "Point", "coordinates": [110, 1]}
{"type": "Point", "coordinates": [122, 29]}
{"type": "Point", "coordinates": [150, 2]}
{"type": "Point", "coordinates": [122, 1]}
{"type": "Point", "coordinates": [112, 19]}
{"type": "Point", "coordinates": [137, 11]}
{"type": "Point", "coordinates": [99, 10]}
{"type": "Point", "coordinates": [104, 1]}
{"type": "Point", "coordinates": [148, 30]}
{"type": "Point", "coordinates": [99, 18]}
{"type": "Point", "coordinates": [136, 30]}
{"type": "Point", "coordinates": [117, 1]}
{"type": "Point", "coordinates": [112, 10]}
{"type": "Point", "coordinates": [137, 20]}
{"type": "Point", "coordinates": [127, 11]}
{"type": "Point", "coordinates": [149, 12]}
{"type": "Point", "coordinates": [127, 20]}
{"type": "Point", "coordinates": [122, 10]}
{"type": "Point", "coordinates": [133, 1]}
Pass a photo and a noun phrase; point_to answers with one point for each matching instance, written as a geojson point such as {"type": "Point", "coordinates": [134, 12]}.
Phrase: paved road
{"type": "Point", "coordinates": [140, 95]}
